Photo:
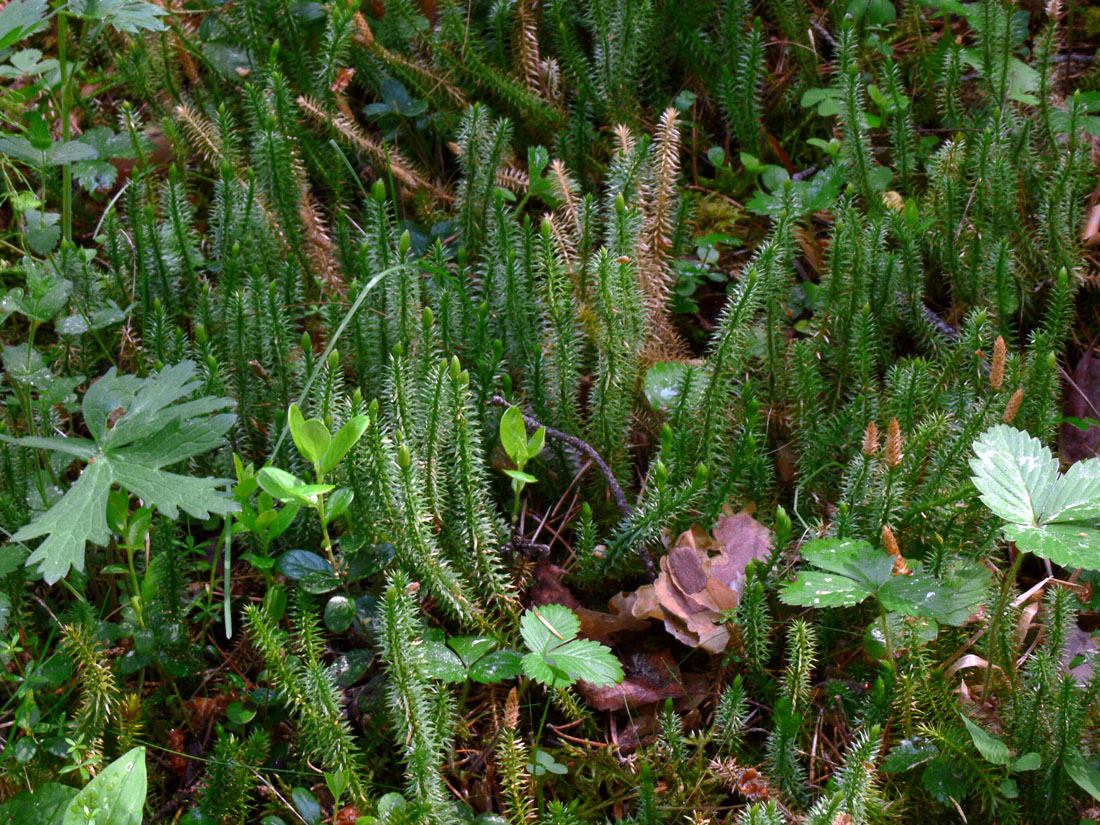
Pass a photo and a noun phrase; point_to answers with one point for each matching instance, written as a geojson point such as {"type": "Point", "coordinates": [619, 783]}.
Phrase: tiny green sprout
{"type": "Point", "coordinates": [324, 450]}
{"type": "Point", "coordinates": [513, 435]}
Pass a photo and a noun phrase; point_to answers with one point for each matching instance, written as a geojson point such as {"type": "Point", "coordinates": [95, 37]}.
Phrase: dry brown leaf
{"type": "Point", "coordinates": [695, 587]}
{"type": "Point", "coordinates": [1082, 400]}
{"type": "Point", "coordinates": [648, 678]}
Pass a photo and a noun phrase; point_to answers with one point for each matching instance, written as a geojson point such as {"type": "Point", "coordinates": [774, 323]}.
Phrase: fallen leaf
{"type": "Point", "coordinates": [1082, 400]}
{"type": "Point", "coordinates": [694, 587]}
{"type": "Point", "coordinates": [648, 678]}
{"type": "Point", "coordinates": [1079, 655]}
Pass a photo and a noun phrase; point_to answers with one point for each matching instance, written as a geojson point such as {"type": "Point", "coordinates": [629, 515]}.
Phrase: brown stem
{"type": "Point", "coordinates": [582, 446]}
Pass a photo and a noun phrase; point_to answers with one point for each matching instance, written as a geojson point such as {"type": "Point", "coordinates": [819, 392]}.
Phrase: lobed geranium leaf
{"type": "Point", "coordinates": [78, 518]}
{"type": "Point", "coordinates": [138, 429]}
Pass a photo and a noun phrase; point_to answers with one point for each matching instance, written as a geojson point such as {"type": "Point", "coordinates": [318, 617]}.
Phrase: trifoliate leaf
{"type": "Point", "coordinates": [850, 571]}
{"type": "Point", "coordinates": [545, 763]}
{"type": "Point", "coordinates": [441, 662]}
{"type": "Point", "coordinates": [546, 626]}
{"type": "Point", "coordinates": [1014, 473]}
{"type": "Point", "coordinates": [1049, 515]}
{"type": "Point", "coordinates": [814, 588]}
{"type": "Point", "coordinates": [125, 15]}
{"type": "Point", "coordinates": [1076, 495]}
{"type": "Point", "coordinates": [557, 657]}
{"type": "Point", "coordinates": [1070, 545]}
{"type": "Point", "coordinates": [586, 660]}
{"type": "Point", "coordinates": [19, 18]}
{"type": "Point", "coordinates": [150, 431]}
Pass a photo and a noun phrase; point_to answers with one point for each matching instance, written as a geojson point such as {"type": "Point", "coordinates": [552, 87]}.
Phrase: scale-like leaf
{"type": "Point", "coordinates": [1014, 473]}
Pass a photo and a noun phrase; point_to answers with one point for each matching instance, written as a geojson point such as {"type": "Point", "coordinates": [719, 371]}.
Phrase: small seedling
{"type": "Point", "coordinates": [513, 435]}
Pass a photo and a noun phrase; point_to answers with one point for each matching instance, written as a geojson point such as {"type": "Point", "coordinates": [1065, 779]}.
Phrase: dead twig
{"type": "Point", "coordinates": [582, 446]}
{"type": "Point", "coordinates": [617, 495]}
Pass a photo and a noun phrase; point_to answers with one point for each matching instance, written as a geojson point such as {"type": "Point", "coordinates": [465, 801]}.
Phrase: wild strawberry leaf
{"type": "Point", "coordinates": [1014, 473]}
{"type": "Point", "coordinates": [849, 571]}
{"type": "Point", "coordinates": [1070, 545]}
{"type": "Point", "coordinates": [557, 657]}
{"type": "Point", "coordinates": [1053, 516]}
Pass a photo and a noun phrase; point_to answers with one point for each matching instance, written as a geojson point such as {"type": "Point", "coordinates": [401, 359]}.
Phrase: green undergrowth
{"type": "Point", "coordinates": [343, 345]}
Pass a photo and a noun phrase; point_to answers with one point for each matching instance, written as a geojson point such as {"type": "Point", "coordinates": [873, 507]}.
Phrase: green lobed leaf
{"type": "Point", "coordinates": [172, 492]}
{"type": "Point", "coordinates": [78, 518]}
{"type": "Point", "coordinates": [125, 15]}
{"type": "Point", "coordinates": [149, 431]}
